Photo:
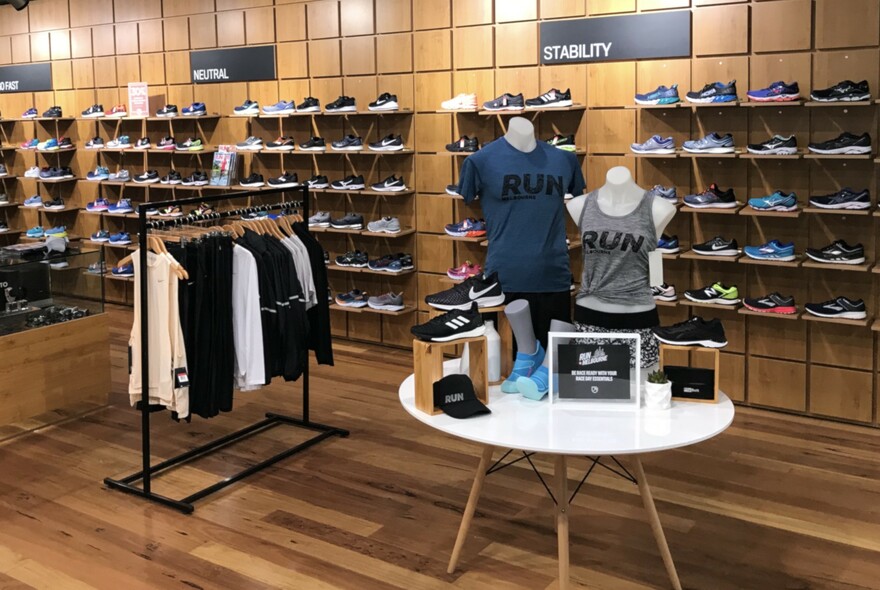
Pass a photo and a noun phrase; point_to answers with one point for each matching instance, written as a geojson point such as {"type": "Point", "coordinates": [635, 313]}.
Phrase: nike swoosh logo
{"type": "Point", "coordinates": [477, 294]}
{"type": "Point", "coordinates": [718, 246]}
{"type": "Point", "coordinates": [384, 142]}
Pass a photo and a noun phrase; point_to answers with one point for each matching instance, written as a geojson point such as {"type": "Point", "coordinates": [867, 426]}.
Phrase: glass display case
{"type": "Point", "coordinates": [42, 286]}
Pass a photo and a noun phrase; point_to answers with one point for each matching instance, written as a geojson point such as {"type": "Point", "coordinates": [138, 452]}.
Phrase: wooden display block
{"type": "Point", "coordinates": [428, 360]}
{"type": "Point", "coordinates": [715, 352]}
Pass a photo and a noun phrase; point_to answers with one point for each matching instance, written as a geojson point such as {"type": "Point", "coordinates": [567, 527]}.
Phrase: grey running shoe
{"type": "Point", "coordinates": [349, 221]}
{"type": "Point", "coordinates": [250, 144]}
{"type": "Point", "coordinates": [386, 225]}
{"type": "Point", "coordinates": [654, 145]}
{"type": "Point", "coordinates": [506, 102]}
{"type": "Point", "coordinates": [387, 302]}
{"type": "Point", "coordinates": [711, 144]}
{"type": "Point", "coordinates": [712, 197]}
{"type": "Point", "coordinates": [664, 192]}
{"type": "Point", "coordinates": [320, 219]}
{"type": "Point", "coordinates": [121, 176]}
{"type": "Point", "coordinates": [3, 170]}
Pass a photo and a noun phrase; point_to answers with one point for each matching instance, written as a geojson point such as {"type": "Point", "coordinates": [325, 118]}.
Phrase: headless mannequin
{"type": "Point", "coordinates": [619, 197]}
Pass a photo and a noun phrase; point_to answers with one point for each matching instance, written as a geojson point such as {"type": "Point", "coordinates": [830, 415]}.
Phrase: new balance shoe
{"type": "Point", "coordinates": [191, 144]}
{"type": "Point", "coordinates": [31, 113]}
{"type": "Point", "coordinates": [776, 92]}
{"type": "Point", "coordinates": [197, 178]}
{"type": "Point", "coordinates": [314, 144]}
{"type": "Point", "coordinates": [845, 143]}
{"type": "Point", "coordinates": [349, 183]}
{"type": "Point", "coordinates": [123, 206]}
{"type": "Point", "coordinates": [667, 193]}
{"type": "Point", "coordinates": [552, 99]}
{"type": "Point", "coordinates": [101, 236]}
{"type": "Point", "coordinates": [167, 143]}
{"type": "Point", "coordinates": [56, 204]}
{"type": "Point", "coordinates": [143, 144]}
{"type": "Point", "coordinates": [467, 228]}
{"type": "Point", "coordinates": [714, 92]}
{"type": "Point", "coordinates": [354, 298]}
{"type": "Point", "coordinates": [318, 181]}
{"type": "Point", "coordinates": [348, 221]}
{"type": "Point", "coordinates": [453, 325]}
{"type": "Point", "coordinates": [712, 197]}
{"type": "Point", "coordinates": [173, 177]}
{"type": "Point", "coordinates": [284, 143]}
{"type": "Point", "coordinates": [169, 110]}
{"type": "Point", "coordinates": [148, 177]}
{"type": "Point", "coordinates": [777, 145]}
{"type": "Point", "coordinates": [353, 259]}
{"type": "Point", "coordinates": [121, 176]}
{"type": "Point", "coordinates": [464, 144]}
{"type": "Point", "coordinates": [460, 102]}
{"type": "Point", "coordinates": [385, 102]}
{"type": "Point", "coordinates": [118, 111]}
{"type": "Point", "coordinates": [196, 109]}
{"type": "Point", "coordinates": [840, 307]}
{"type": "Point", "coordinates": [286, 180]}
{"type": "Point", "coordinates": [563, 142]}
{"type": "Point", "coordinates": [777, 201]}
{"type": "Point", "coordinates": [465, 271]}
{"type": "Point", "coordinates": [505, 102]}
{"type": "Point", "coordinates": [125, 271]}
{"type": "Point", "coordinates": [772, 303]}
{"type": "Point", "coordinates": [483, 290]}
{"type": "Point", "coordinates": [282, 107]}
{"type": "Point", "coordinates": [343, 104]}
{"type": "Point", "coordinates": [717, 246]}
{"type": "Point", "coordinates": [35, 201]}
{"type": "Point", "coordinates": [711, 144]}
{"type": "Point", "coordinates": [320, 219]}
{"type": "Point", "coordinates": [309, 105]}
{"type": "Point", "coordinates": [693, 332]}
{"type": "Point", "coordinates": [524, 365]}
{"type": "Point", "coordinates": [772, 250]}
{"type": "Point", "coordinates": [93, 112]}
{"type": "Point", "coordinates": [388, 302]}
{"type": "Point", "coordinates": [662, 95]}
{"type": "Point", "coordinates": [715, 294]}
{"type": "Point", "coordinates": [391, 184]}
{"type": "Point", "coordinates": [654, 145]}
{"type": "Point", "coordinates": [846, 91]}
{"type": "Point", "coordinates": [53, 113]}
{"type": "Point", "coordinates": [252, 181]}
{"type": "Point", "coordinates": [838, 252]}
{"type": "Point", "coordinates": [120, 239]}
{"type": "Point", "coordinates": [99, 204]}
{"type": "Point", "coordinates": [385, 225]}
{"type": "Point", "coordinates": [664, 292]}
{"type": "Point", "coordinates": [349, 143]}
{"type": "Point", "coordinates": [35, 232]}
{"type": "Point", "coordinates": [668, 244]}
{"type": "Point", "coordinates": [389, 143]}
{"type": "Point", "coordinates": [249, 108]}
{"type": "Point", "coordinates": [120, 143]}
{"type": "Point", "coordinates": [845, 198]}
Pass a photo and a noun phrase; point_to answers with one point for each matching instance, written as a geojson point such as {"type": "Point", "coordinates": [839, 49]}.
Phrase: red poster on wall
{"type": "Point", "coordinates": [138, 99]}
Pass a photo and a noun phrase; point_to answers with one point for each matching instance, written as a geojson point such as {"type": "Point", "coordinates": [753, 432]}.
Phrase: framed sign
{"type": "Point", "coordinates": [138, 99]}
{"type": "Point", "coordinates": [595, 370]}
{"type": "Point", "coordinates": [238, 64]}
{"type": "Point", "coordinates": [25, 78]}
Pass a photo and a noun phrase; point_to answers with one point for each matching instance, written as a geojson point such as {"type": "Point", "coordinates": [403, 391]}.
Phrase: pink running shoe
{"type": "Point", "coordinates": [465, 271]}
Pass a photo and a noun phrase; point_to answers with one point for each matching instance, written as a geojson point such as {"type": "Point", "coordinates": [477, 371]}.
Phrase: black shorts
{"type": "Point", "coordinates": [545, 307]}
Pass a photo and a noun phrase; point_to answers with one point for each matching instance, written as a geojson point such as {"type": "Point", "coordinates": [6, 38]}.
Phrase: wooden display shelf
{"type": "Point", "coordinates": [8, 148]}
{"type": "Point", "coordinates": [864, 267]}
{"type": "Point", "coordinates": [750, 156]}
{"type": "Point", "coordinates": [9, 177]}
{"type": "Point", "coordinates": [772, 103]}
{"type": "Point", "coordinates": [703, 105]}
{"type": "Point", "coordinates": [47, 119]}
{"type": "Point", "coordinates": [777, 263]}
{"type": "Point", "coordinates": [713, 210]}
{"type": "Point", "coordinates": [13, 204]}
{"type": "Point", "coordinates": [109, 275]}
{"type": "Point", "coordinates": [12, 233]}
{"type": "Point", "coordinates": [812, 156]}
{"type": "Point", "coordinates": [729, 155]}
{"type": "Point", "coordinates": [876, 269]}
{"type": "Point", "coordinates": [691, 255]}
{"type": "Point", "coordinates": [674, 105]}
{"type": "Point", "coordinates": [689, 303]}
{"type": "Point", "coordinates": [659, 303]}
{"type": "Point", "coordinates": [65, 210]}
{"type": "Point", "coordinates": [749, 211]}
{"type": "Point", "coordinates": [69, 150]}
{"type": "Point", "coordinates": [369, 152]}
{"type": "Point", "coordinates": [456, 111]}
{"type": "Point", "coordinates": [367, 309]}
{"type": "Point", "coordinates": [56, 181]}
{"type": "Point", "coordinates": [846, 322]}
{"type": "Point", "coordinates": [361, 113]}
{"type": "Point", "coordinates": [451, 154]}
{"type": "Point", "coordinates": [120, 150]}
{"type": "Point", "coordinates": [364, 192]}
{"type": "Point", "coordinates": [841, 104]}
{"type": "Point", "coordinates": [632, 154]}
{"type": "Point", "coordinates": [821, 211]}
{"type": "Point", "coordinates": [671, 256]}
{"type": "Point", "coordinates": [180, 117]}
{"type": "Point", "coordinates": [369, 271]}
{"type": "Point", "coordinates": [523, 111]}
{"type": "Point", "coordinates": [782, 316]}
{"type": "Point", "coordinates": [875, 326]}
{"type": "Point", "coordinates": [473, 240]}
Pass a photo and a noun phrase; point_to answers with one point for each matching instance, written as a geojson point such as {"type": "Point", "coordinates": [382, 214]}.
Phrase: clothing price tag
{"type": "Point", "coordinates": [181, 379]}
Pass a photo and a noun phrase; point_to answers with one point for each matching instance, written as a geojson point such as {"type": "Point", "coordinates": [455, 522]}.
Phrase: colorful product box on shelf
{"type": "Point", "coordinates": [223, 168]}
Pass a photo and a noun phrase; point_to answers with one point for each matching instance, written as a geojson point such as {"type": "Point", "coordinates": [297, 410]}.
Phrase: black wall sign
{"type": "Point", "coordinates": [26, 78]}
{"type": "Point", "coordinates": [241, 64]}
{"type": "Point", "coordinates": [594, 371]}
{"type": "Point", "coordinates": [608, 38]}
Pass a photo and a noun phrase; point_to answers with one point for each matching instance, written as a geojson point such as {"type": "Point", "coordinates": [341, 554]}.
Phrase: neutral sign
{"type": "Point", "coordinates": [25, 78]}
{"type": "Point", "coordinates": [241, 64]}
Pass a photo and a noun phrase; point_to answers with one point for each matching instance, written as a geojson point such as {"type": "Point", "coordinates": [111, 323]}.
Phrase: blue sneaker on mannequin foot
{"type": "Point", "coordinates": [523, 366]}
{"type": "Point", "coordinates": [536, 386]}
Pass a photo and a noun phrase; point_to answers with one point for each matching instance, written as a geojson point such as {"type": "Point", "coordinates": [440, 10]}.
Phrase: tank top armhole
{"type": "Point", "coordinates": [591, 197]}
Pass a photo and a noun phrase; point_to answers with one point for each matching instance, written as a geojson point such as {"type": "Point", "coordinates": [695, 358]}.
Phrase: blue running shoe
{"type": "Point", "coordinates": [469, 228]}
{"type": "Point", "coordinates": [196, 109]}
{"type": "Point", "coordinates": [101, 235]}
{"type": "Point", "coordinates": [50, 145]}
{"type": "Point", "coordinates": [668, 244]}
{"type": "Point", "coordinates": [667, 193]}
{"type": "Point", "coordinates": [714, 92]}
{"type": "Point", "coordinates": [282, 107]}
{"type": "Point", "coordinates": [123, 206]}
{"type": "Point", "coordinates": [123, 271]}
{"type": "Point", "coordinates": [57, 232]}
{"type": "Point", "coordinates": [772, 250]}
{"type": "Point", "coordinates": [776, 92]}
{"type": "Point", "coordinates": [36, 232]}
{"type": "Point", "coordinates": [536, 386]}
{"type": "Point", "coordinates": [654, 145]}
{"type": "Point", "coordinates": [662, 95]}
{"type": "Point", "coordinates": [120, 239]}
{"type": "Point", "coordinates": [35, 201]}
{"type": "Point", "coordinates": [778, 201]}
{"type": "Point", "coordinates": [99, 173]}
{"type": "Point", "coordinates": [523, 366]}
{"type": "Point", "coordinates": [711, 144]}
{"type": "Point", "coordinates": [98, 205]}
{"type": "Point", "coordinates": [30, 113]}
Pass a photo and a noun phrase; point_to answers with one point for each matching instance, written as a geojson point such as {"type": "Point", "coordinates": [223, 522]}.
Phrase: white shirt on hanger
{"type": "Point", "coordinates": [247, 326]}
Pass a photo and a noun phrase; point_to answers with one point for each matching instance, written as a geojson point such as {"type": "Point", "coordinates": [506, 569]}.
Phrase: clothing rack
{"type": "Point", "coordinates": [148, 471]}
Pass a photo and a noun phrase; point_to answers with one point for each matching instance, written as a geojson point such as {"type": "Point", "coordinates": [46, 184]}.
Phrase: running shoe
{"type": "Point", "coordinates": [282, 107]}
{"type": "Point", "coordinates": [388, 302]}
{"type": "Point", "coordinates": [123, 206]}
{"type": "Point", "coordinates": [143, 144]}
{"type": "Point", "coordinates": [453, 325]}
{"type": "Point", "coordinates": [196, 109]}
{"type": "Point", "coordinates": [348, 221]}
{"type": "Point", "coordinates": [391, 184]}
{"type": "Point", "coordinates": [35, 201]}
{"type": "Point", "coordinates": [309, 105]}
{"type": "Point", "coordinates": [772, 250]}
{"type": "Point", "coordinates": [693, 332]}
{"type": "Point", "coordinates": [552, 99]}
{"type": "Point", "coordinates": [714, 92]}
{"type": "Point", "coordinates": [314, 144]}
{"type": "Point", "coordinates": [668, 244]}
{"type": "Point", "coordinates": [845, 143]}
{"type": "Point", "coordinates": [93, 112]}
{"type": "Point", "coordinates": [452, 190]}
{"type": "Point", "coordinates": [385, 102]}
{"type": "Point", "coordinates": [32, 172]}
{"type": "Point", "coordinates": [50, 145]}
{"type": "Point", "coordinates": [717, 246]}
{"type": "Point", "coordinates": [167, 143]}
{"type": "Point", "coordinates": [120, 239]}
{"type": "Point", "coordinates": [776, 92]}
{"type": "Point", "coordinates": [563, 142]}
{"type": "Point", "coordinates": [349, 183]}
{"type": "Point", "coordinates": [777, 201]}
{"type": "Point", "coordinates": [389, 143]}
{"type": "Point", "coordinates": [192, 144]}
{"type": "Point", "coordinates": [118, 111]}
{"type": "Point", "coordinates": [846, 91]}
{"type": "Point", "coordinates": [282, 144]}
{"type": "Point", "coordinates": [286, 180]}
{"type": "Point", "coordinates": [667, 193]}
{"type": "Point", "coordinates": [252, 181]}
{"type": "Point", "coordinates": [711, 144]}
{"type": "Point", "coordinates": [343, 104]}
{"type": "Point", "coordinates": [393, 263]}
{"type": "Point", "coordinates": [248, 108]}
{"type": "Point", "coordinates": [169, 111]}
{"type": "Point", "coordinates": [121, 176]}
{"type": "Point", "coordinates": [654, 145]}
{"type": "Point", "coordinates": [123, 271]}
{"type": "Point", "coordinates": [30, 145]}
{"type": "Point", "coordinates": [95, 143]}
{"type": "Point", "coordinates": [845, 198]}
{"type": "Point", "coordinates": [99, 204]}
{"type": "Point", "coordinates": [53, 113]}
{"type": "Point", "coordinates": [461, 102]}
{"type": "Point", "coordinates": [662, 95]}
{"type": "Point", "coordinates": [99, 173]}
{"type": "Point", "coordinates": [349, 143]}
{"type": "Point", "coordinates": [173, 177]}
{"type": "Point", "coordinates": [712, 197]}
{"type": "Point", "coordinates": [202, 209]}
{"type": "Point", "coordinates": [251, 144]}
{"type": "Point", "coordinates": [505, 102]}
{"type": "Point", "coordinates": [320, 219]}
{"type": "Point", "coordinates": [385, 225]}
{"type": "Point", "coordinates": [483, 290]}
{"type": "Point", "coordinates": [318, 181]}
{"type": "Point", "coordinates": [148, 177]}
{"type": "Point", "coordinates": [172, 211]}
{"type": "Point", "coordinates": [772, 303]}
{"type": "Point", "coordinates": [468, 228]}
{"type": "Point", "coordinates": [120, 143]}
{"type": "Point", "coordinates": [715, 294]}
{"type": "Point", "coordinates": [56, 204]}
{"type": "Point", "coordinates": [353, 259]}
{"type": "Point", "coordinates": [465, 271]}
{"type": "Point", "coordinates": [97, 268]}
{"type": "Point", "coordinates": [35, 232]}
{"type": "Point", "coordinates": [838, 252]}
{"type": "Point", "coordinates": [777, 145]}
{"type": "Point", "coordinates": [197, 178]}
{"type": "Point", "coordinates": [664, 292]}
{"type": "Point", "coordinates": [101, 236]}
{"type": "Point", "coordinates": [354, 298]}
{"type": "Point", "coordinates": [31, 113]}
{"type": "Point", "coordinates": [464, 144]}
{"type": "Point", "coordinates": [840, 307]}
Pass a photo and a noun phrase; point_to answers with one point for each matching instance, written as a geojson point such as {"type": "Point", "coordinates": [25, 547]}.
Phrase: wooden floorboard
{"type": "Point", "coordinates": [776, 502]}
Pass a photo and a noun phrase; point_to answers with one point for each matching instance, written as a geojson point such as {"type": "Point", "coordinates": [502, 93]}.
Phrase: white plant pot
{"type": "Point", "coordinates": [658, 396]}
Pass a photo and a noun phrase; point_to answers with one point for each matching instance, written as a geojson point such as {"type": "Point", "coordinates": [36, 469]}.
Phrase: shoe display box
{"type": "Point", "coordinates": [54, 336]}
{"type": "Point", "coordinates": [692, 383]}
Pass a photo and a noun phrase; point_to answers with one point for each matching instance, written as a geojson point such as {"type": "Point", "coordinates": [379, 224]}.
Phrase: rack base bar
{"type": "Point", "coordinates": [185, 505]}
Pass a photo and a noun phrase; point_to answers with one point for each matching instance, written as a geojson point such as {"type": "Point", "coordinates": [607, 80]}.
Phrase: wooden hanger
{"type": "Point", "coordinates": [157, 246]}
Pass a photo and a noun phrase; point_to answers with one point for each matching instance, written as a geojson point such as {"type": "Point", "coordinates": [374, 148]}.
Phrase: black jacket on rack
{"type": "Point", "coordinates": [320, 339]}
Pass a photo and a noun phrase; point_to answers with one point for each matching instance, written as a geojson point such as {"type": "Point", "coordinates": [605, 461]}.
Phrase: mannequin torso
{"type": "Point", "coordinates": [521, 134]}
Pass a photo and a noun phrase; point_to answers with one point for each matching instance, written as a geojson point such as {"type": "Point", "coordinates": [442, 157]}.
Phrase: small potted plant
{"type": "Point", "coordinates": [658, 391]}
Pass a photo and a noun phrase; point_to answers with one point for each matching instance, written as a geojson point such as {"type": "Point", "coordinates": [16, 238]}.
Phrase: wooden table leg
{"type": "Point", "coordinates": [471, 507]}
{"type": "Point", "coordinates": [562, 520]}
{"type": "Point", "coordinates": [656, 527]}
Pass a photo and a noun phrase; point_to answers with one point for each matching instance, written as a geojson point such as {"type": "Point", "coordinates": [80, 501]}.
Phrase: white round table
{"type": "Point", "coordinates": [521, 424]}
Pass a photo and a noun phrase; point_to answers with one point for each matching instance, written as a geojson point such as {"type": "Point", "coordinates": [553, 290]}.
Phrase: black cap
{"type": "Point", "coordinates": [455, 395]}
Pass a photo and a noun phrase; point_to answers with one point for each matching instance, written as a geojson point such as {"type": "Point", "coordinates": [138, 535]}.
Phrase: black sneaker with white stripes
{"type": "Point", "coordinates": [389, 143]}
{"type": "Point", "coordinates": [390, 184]}
{"type": "Point", "coordinates": [552, 99]}
{"type": "Point", "coordinates": [453, 325]}
{"type": "Point", "coordinates": [286, 180]}
{"type": "Point", "coordinates": [717, 246]}
{"type": "Point", "coordinates": [480, 289]}
{"type": "Point", "coordinates": [838, 252]}
{"type": "Point", "coordinates": [385, 102]}
{"type": "Point", "coordinates": [349, 183]}
{"type": "Point", "coordinates": [841, 307]}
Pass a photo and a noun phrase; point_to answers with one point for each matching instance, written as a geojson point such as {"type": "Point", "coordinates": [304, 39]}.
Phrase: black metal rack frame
{"type": "Point", "coordinates": [145, 475]}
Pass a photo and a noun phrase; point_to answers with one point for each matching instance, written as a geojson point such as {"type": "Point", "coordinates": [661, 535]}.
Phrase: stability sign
{"type": "Point", "coordinates": [611, 38]}
{"type": "Point", "coordinates": [25, 78]}
{"type": "Point", "coordinates": [240, 64]}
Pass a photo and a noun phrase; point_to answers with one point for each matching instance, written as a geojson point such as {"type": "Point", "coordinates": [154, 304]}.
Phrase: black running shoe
{"type": "Point", "coordinates": [343, 104]}
{"type": "Point", "coordinates": [845, 143]}
{"type": "Point", "coordinates": [845, 198]}
{"type": "Point", "coordinates": [286, 180]}
{"type": "Point", "coordinates": [841, 307]}
{"type": "Point", "coordinates": [838, 252]}
{"type": "Point", "coordinates": [195, 179]}
{"type": "Point", "coordinates": [464, 144]}
{"type": "Point", "coordinates": [714, 92]}
{"type": "Point", "coordinates": [772, 303]}
{"type": "Point", "coordinates": [505, 102]}
{"type": "Point", "coordinates": [93, 112]}
{"type": "Point", "coordinates": [452, 190]}
{"type": "Point", "coordinates": [148, 177]}
{"type": "Point", "coordinates": [552, 99]}
{"type": "Point", "coordinates": [318, 181]}
{"type": "Point", "coordinates": [348, 221]}
{"type": "Point", "coordinates": [253, 181]}
{"type": "Point", "coordinates": [169, 110]}
{"type": "Point", "coordinates": [349, 183]}
{"type": "Point", "coordinates": [693, 332]}
{"type": "Point", "coordinates": [456, 324]}
{"type": "Point", "coordinates": [482, 290]}
{"type": "Point", "coordinates": [309, 105]}
{"type": "Point", "coordinates": [385, 102]}
{"type": "Point", "coordinates": [53, 113]}
{"type": "Point", "coordinates": [314, 144]}
{"type": "Point", "coordinates": [717, 246]}
{"type": "Point", "coordinates": [65, 144]}
{"type": "Point", "coordinates": [172, 177]}
{"type": "Point", "coordinates": [776, 145]}
{"type": "Point", "coordinates": [389, 143]}
{"type": "Point", "coordinates": [349, 143]}
{"type": "Point", "coordinates": [846, 91]}
{"type": "Point", "coordinates": [354, 259]}
{"type": "Point", "coordinates": [391, 184]}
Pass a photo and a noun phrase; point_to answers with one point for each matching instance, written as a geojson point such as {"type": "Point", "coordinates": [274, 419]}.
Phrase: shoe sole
{"type": "Point", "coordinates": [777, 98]}
{"type": "Point", "coordinates": [278, 113]}
{"type": "Point", "coordinates": [777, 310]}
{"type": "Point", "coordinates": [718, 301]}
{"type": "Point", "coordinates": [482, 302]}
{"type": "Point", "coordinates": [246, 113]}
{"type": "Point", "coordinates": [851, 205]}
{"type": "Point", "coordinates": [34, 206]}
{"type": "Point", "coordinates": [358, 148]}
{"type": "Point", "coordinates": [284, 148]}
{"type": "Point", "coordinates": [657, 151]}
{"type": "Point", "coordinates": [711, 205]}
{"type": "Point", "coordinates": [717, 252]}
{"type": "Point", "coordinates": [53, 208]}
{"type": "Point", "coordinates": [669, 250]}
{"type": "Point", "coordinates": [309, 110]}
{"type": "Point", "coordinates": [491, 110]}
{"type": "Point", "coordinates": [385, 107]}
{"type": "Point", "coordinates": [151, 181]}
{"type": "Point", "coordinates": [853, 150]}
{"type": "Point", "coordinates": [126, 243]}
{"type": "Point", "coordinates": [711, 99]}
{"type": "Point", "coordinates": [93, 116]}
{"type": "Point", "coordinates": [383, 231]}
{"type": "Point", "coordinates": [249, 148]}
{"type": "Point", "coordinates": [313, 149]}
{"type": "Point", "coordinates": [352, 226]}
{"type": "Point", "coordinates": [847, 315]}
{"type": "Point", "coordinates": [655, 101]}
{"type": "Point", "coordinates": [199, 114]}
{"type": "Point", "coordinates": [255, 185]}
{"type": "Point", "coordinates": [351, 187]}
{"type": "Point", "coordinates": [774, 258]}
{"type": "Point", "coordinates": [823, 261]}
{"type": "Point", "coordinates": [122, 276]}
{"type": "Point", "coordinates": [100, 241]}
{"type": "Point", "coordinates": [667, 298]}
{"type": "Point", "coordinates": [774, 208]}
{"type": "Point", "coordinates": [319, 225]}
{"type": "Point", "coordinates": [389, 148]}
{"type": "Point", "coordinates": [387, 307]}
{"type": "Point", "coordinates": [166, 115]}
{"type": "Point", "coordinates": [704, 343]}
{"type": "Point", "coordinates": [553, 105]}
{"type": "Point", "coordinates": [714, 150]}
{"type": "Point", "coordinates": [389, 189]}
{"type": "Point", "coordinates": [861, 97]}
{"type": "Point", "coordinates": [529, 389]}
{"type": "Point", "coordinates": [773, 152]}
{"type": "Point", "coordinates": [342, 110]}
{"type": "Point", "coordinates": [452, 194]}
{"type": "Point", "coordinates": [469, 334]}
{"type": "Point", "coordinates": [285, 185]}
{"type": "Point", "coordinates": [352, 304]}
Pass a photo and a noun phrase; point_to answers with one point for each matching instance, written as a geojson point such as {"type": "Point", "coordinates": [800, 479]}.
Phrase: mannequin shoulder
{"type": "Point", "coordinates": [662, 211]}
{"type": "Point", "coordinates": [576, 206]}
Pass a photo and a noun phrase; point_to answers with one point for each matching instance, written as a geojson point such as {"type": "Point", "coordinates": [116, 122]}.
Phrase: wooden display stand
{"type": "Point", "coordinates": [689, 349]}
{"type": "Point", "coordinates": [428, 359]}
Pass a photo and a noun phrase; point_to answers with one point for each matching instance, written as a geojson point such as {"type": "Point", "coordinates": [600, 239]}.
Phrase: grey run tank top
{"type": "Point", "coordinates": [616, 252]}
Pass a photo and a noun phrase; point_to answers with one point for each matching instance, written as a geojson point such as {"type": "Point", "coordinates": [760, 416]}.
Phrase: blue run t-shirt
{"type": "Point", "coordinates": [522, 197]}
